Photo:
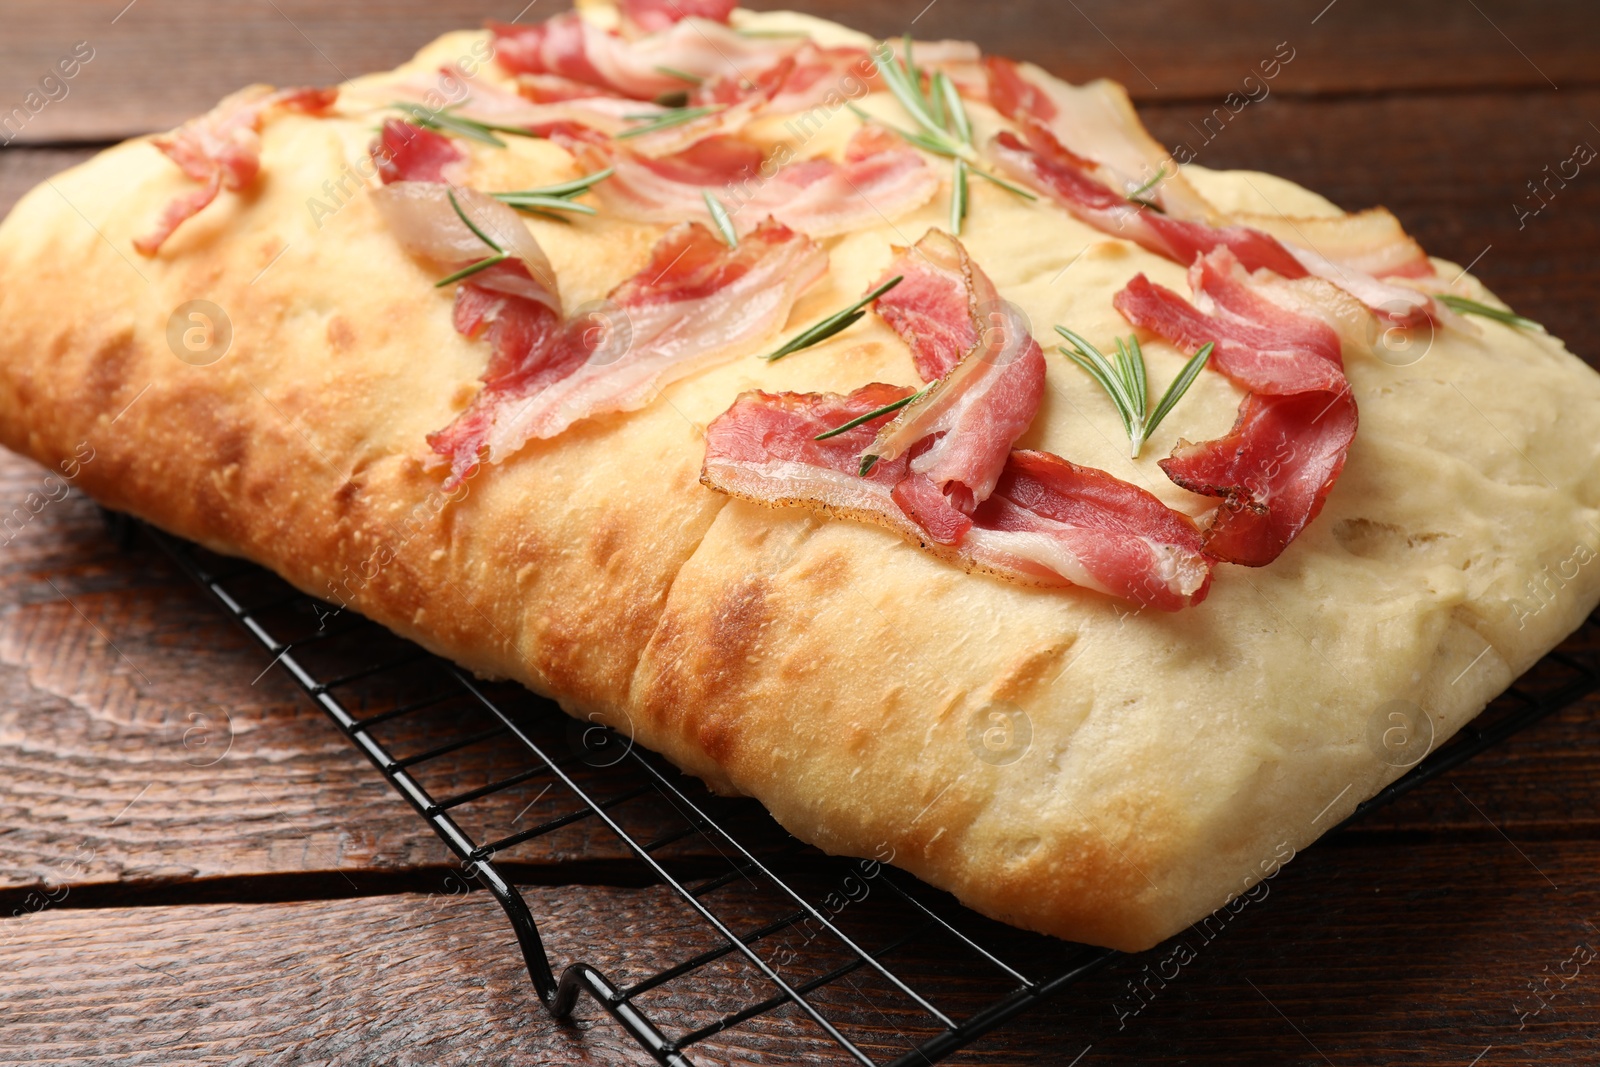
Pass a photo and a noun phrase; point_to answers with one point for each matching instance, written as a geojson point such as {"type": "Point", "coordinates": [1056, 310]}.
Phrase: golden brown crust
{"type": "Point", "coordinates": [841, 675]}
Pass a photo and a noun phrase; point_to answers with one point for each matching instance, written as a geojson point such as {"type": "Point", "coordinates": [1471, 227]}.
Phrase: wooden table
{"type": "Point", "coordinates": [201, 869]}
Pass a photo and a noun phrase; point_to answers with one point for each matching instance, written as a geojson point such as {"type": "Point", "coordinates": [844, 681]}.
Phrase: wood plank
{"type": "Point", "coordinates": [137, 722]}
{"type": "Point", "coordinates": [156, 63]}
{"type": "Point", "coordinates": [1350, 957]}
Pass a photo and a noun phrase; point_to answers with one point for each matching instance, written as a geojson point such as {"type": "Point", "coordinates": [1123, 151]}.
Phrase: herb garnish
{"type": "Point", "coordinates": [1464, 306]}
{"type": "Point", "coordinates": [460, 125]}
{"type": "Point", "coordinates": [1123, 379]}
{"type": "Point", "coordinates": [558, 197]}
{"type": "Point", "coordinates": [1137, 196]}
{"type": "Point", "coordinates": [833, 323]}
{"type": "Point", "coordinates": [482, 264]}
{"type": "Point", "coordinates": [945, 128]}
{"type": "Point", "coordinates": [681, 75]}
{"type": "Point", "coordinates": [719, 215]}
{"type": "Point", "coordinates": [661, 120]}
{"type": "Point", "coordinates": [868, 417]}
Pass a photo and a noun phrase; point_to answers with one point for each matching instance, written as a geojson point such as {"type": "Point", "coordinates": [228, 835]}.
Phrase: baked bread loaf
{"type": "Point", "coordinates": [1059, 758]}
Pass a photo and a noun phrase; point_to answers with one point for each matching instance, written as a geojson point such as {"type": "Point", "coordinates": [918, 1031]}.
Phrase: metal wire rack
{"type": "Point", "coordinates": [831, 934]}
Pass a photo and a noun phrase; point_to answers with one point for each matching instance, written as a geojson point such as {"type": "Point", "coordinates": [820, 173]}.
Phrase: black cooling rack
{"type": "Point", "coordinates": [832, 934]}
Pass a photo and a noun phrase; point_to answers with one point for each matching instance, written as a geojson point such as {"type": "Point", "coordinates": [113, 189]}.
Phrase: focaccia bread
{"type": "Point", "coordinates": [1058, 758]}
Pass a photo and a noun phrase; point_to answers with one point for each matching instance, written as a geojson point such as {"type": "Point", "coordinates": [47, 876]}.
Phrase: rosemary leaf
{"type": "Point", "coordinates": [1464, 306]}
{"type": "Point", "coordinates": [960, 125]}
{"type": "Point", "coordinates": [667, 119]}
{"type": "Point", "coordinates": [681, 75]}
{"type": "Point", "coordinates": [469, 271]}
{"type": "Point", "coordinates": [833, 323]}
{"type": "Point", "coordinates": [719, 215]}
{"type": "Point", "coordinates": [958, 195]}
{"type": "Point", "coordinates": [1124, 381]}
{"type": "Point", "coordinates": [532, 202]}
{"type": "Point", "coordinates": [572, 188]}
{"type": "Point", "coordinates": [1002, 183]}
{"type": "Point", "coordinates": [444, 122]}
{"type": "Point", "coordinates": [1161, 172]}
{"type": "Point", "coordinates": [899, 80]}
{"type": "Point", "coordinates": [868, 417]}
{"type": "Point", "coordinates": [1180, 385]}
{"type": "Point", "coordinates": [867, 463]}
{"type": "Point", "coordinates": [462, 215]}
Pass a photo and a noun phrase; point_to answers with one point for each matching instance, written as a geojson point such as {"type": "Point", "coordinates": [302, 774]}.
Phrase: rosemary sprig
{"type": "Point", "coordinates": [500, 254]}
{"type": "Point", "coordinates": [719, 215]}
{"type": "Point", "coordinates": [833, 323]}
{"type": "Point", "coordinates": [1464, 306]}
{"type": "Point", "coordinates": [1123, 379]}
{"type": "Point", "coordinates": [471, 129]}
{"type": "Point", "coordinates": [944, 128]}
{"type": "Point", "coordinates": [662, 120]}
{"type": "Point", "coordinates": [869, 416]}
{"type": "Point", "coordinates": [558, 197]}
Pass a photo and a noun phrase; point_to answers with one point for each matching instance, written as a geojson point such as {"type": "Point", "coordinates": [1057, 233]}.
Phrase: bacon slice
{"type": "Point", "coordinates": [989, 379]}
{"type": "Point", "coordinates": [405, 152]}
{"type": "Point", "coordinates": [425, 223]}
{"type": "Point", "coordinates": [880, 179]}
{"type": "Point", "coordinates": [1096, 118]}
{"type": "Point", "coordinates": [1274, 469]}
{"type": "Point", "coordinates": [649, 16]}
{"type": "Point", "coordinates": [1048, 522]}
{"type": "Point", "coordinates": [1371, 241]}
{"type": "Point", "coordinates": [696, 303]}
{"type": "Point", "coordinates": [579, 51]}
{"type": "Point", "coordinates": [1044, 163]}
{"type": "Point", "coordinates": [1047, 165]}
{"type": "Point", "coordinates": [222, 150]}
{"type": "Point", "coordinates": [1259, 345]}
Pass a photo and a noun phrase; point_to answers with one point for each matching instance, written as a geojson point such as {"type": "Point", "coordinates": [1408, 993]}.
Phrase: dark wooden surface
{"type": "Point", "coordinates": [206, 872]}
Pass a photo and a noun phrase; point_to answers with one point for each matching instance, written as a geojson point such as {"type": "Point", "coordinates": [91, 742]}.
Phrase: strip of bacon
{"type": "Point", "coordinates": [405, 152]}
{"type": "Point", "coordinates": [988, 374]}
{"type": "Point", "coordinates": [649, 16]}
{"type": "Point", "coordinates": [1048, 522]}
{"type": "Point", "coordinates": [426, 224]}
{"type": "Point", "coordinates": [1097, 118]}
{"type": "Point", "coordinates": [1044, 163]}
{"type": "Point", "coordinates": [1274, 469]}
{"type": "Point", "coordinates": [695, 304]}
{"type": "Point", "coordinates": [579, 51]}
{"type": "Point", "coordinates": [1260, 346]}
{"type": "Point", "coordinates": [222, 150]}
{"type": "Point", "coordinates": [1371, 241]}
{"type": "Point", "coordinates": [547, 101]}
{"type": "Point", "coordinates": [881, 178]}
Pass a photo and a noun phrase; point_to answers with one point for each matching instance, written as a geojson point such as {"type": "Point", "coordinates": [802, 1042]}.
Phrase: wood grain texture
{"type": "Point", "coordinates": [1412, 938]}
{"type": "Point", "coordinates": [1353, 957]}
{"type": "Point", "coordinates": [139, 723]}
{"type": "Point", "coordinates": [156, 62]}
